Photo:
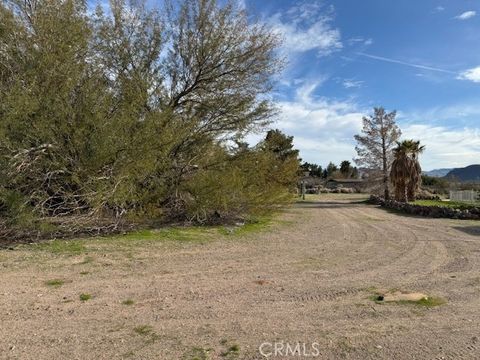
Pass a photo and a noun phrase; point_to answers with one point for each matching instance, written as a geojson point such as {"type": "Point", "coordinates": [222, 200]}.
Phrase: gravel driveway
{"type": "Point", "coordinates": [305, 283]}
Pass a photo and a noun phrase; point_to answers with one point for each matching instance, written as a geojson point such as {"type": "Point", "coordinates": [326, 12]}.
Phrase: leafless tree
{"type": "Point", "coordinates": [376, 142]}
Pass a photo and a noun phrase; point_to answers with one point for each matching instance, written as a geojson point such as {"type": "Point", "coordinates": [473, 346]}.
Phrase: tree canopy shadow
{"type": "Point", "coordinates": [309, 204]}
{"type": "Point", "coordinates": [403, 213]}
{"type": "Point", "coordinates": [470, 230]}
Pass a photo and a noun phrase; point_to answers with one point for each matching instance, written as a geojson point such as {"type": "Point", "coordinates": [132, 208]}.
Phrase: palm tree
{"type": "Point", "coordinates": [400, 172]}
{"type": "Point", "coordinates": [406, 173]}
{"type": "Point", "coordinates": [416, 176]}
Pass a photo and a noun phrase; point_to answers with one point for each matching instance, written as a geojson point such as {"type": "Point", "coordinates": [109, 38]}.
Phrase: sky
{"type": "Point", "coordinates": [344, 57]}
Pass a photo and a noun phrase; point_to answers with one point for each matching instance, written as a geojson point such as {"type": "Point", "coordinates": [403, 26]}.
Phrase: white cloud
{"type": "Point", "coordinates": [439, 9]}
{"type": "Point", "coordinates": [450, 133]}
{"type": "Point", "coordinates": [470, 74]}
{"type": "Point", "coordinates": [459, 112]}
{"type": "Point", "coordinates": [360, 40]}
{"type": "Point", "coordinates": [466, 15]}
{"type": "Point", "coordinates": [351, 83]}
{"type": "Point", "coordinates": [242, 4]}
{"type": "Point", "coordinates": [405, 63]}
{"type": "Point", "coordinates": [323, 129]}
{"type": "Point", "coordinates": [307, 27]}
{"type": "Point", "coordinates": [446, 147]}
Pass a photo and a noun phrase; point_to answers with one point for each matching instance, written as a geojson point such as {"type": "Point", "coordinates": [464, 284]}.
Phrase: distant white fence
{"type": "Point", "coordinates": [466, 195]}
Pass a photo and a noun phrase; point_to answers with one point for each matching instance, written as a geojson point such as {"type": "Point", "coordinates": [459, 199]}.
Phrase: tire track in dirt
{"type": "Point", "coordinates": [424, 250]}
{"type": "Point", "coordinates": [307, 281]}
{"type": "Point", "coordinates": [329, 295]}
{"type": "Point", "coordinates": [452, 248]}
{"type": "Point", "coordinates": [411, 253]}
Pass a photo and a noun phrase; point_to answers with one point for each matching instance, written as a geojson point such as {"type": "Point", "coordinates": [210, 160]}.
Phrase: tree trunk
{"type": "Point", "coordinates": [385, 167]}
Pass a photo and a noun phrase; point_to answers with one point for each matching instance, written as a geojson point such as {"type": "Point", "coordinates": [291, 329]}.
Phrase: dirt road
{"type": "Point", "coordinates": [306, 279]}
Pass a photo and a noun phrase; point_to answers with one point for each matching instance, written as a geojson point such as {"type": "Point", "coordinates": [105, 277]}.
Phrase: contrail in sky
{"type": "Point", "coordinates": [381, 58]}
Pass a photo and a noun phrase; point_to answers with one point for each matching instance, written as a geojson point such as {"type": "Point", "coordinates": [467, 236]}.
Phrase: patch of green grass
{"type": "Point", "coordinates": [425, 302]}
{"type": "Point", "coordinates": [136, 238]}
{"type": "Point", "coordinates": [67, 247]}
{"type": "Point", "coordinates": [128, 242]}
{"type": "Point", "coordinates": [147, 332]}
{"type": "Point", "coordinates": [232, 351]}
{"type": "Point", "coordinates": [143, 330]}
{"type": "Point", "coordinates": [85, 297]}
{"type": "Point", "coordinates": [55, 283]}
{"type": "Point", "coordinates": [251, 225]}
{"type": "Point", "coordinates": [449, 204]}
{"type": "Point", "coordinates": [84, 272]}
{"type": "Point", "coordinates": [377, 299]}
{"type": "Point", "coordinates": [196, 233]}
{"type": "Point", "coordinates": [128, 302]}
{"type": "Point", "coordinates": [139, 235]}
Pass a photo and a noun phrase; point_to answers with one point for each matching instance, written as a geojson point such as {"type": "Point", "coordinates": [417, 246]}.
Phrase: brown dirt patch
{"type": "Point", "coordinates": [306, 279]}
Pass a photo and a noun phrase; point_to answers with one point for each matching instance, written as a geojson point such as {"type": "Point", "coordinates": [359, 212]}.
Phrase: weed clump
{"type": "Point", "coordinates": [56, 283]}
{"type": "Point", "coordinates": [85, 297]}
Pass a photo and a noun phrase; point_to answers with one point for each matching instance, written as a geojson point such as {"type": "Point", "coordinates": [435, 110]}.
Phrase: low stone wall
{"type": "Point", "coordinates": [427, 211]}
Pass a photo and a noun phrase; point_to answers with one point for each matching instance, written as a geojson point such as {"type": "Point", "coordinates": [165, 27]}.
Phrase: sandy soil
{"type": "Point", "coordinates": [308, 278]}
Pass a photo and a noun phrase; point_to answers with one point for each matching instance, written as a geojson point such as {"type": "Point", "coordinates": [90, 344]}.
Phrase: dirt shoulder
{"type": "Point", "coordinates": [309, 277]}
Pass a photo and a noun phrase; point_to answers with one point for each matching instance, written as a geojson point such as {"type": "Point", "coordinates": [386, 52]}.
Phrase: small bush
{"type": "Point", "coordinates": [85, 297]}
{"type": "Point", "coordinates": [143, 330]}
{"type": "Point", "coordinates": [55, 282]}
{"type": "Point", "coordinates": [232, 351]}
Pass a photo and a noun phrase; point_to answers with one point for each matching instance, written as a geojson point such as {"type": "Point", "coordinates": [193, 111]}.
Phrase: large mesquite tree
{"type": "Point", "coordinates": [125, 112]}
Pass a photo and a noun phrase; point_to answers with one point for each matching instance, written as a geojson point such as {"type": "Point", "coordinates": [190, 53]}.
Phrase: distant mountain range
{"type": "Point", "coordinates": [437, 172]}
{"type": "Point", "coordinates": [469, 173]}
{"type": "Point", "coordinates": [466, 174]}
